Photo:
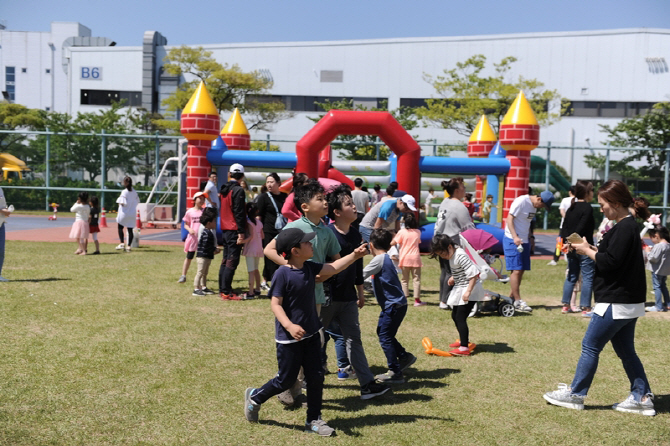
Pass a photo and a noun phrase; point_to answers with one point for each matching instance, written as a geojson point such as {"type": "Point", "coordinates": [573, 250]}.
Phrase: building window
{"type": "Point", "coordinates": [604, 109]}
{"type": "Point", "coordinates": [309, 103]}
{"type": "Point", "coordinates": [106, 97]}
{"type": "Point", "coordinates": [24, 70]}
{"type": "Point", "coordinates": [48, 70]}
{"type": "Point", "coordinates": [10, 83]}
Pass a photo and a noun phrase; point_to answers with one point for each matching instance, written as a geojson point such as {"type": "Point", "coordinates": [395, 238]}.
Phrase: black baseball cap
{"type": "Point", "coordinates": [290, 238]}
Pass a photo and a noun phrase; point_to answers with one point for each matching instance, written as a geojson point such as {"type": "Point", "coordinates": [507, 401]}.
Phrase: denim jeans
{"type": "Point", "coordinates": [577, 263]}
{"type": "Point", "coordinates": [660, 290]}
{"type": "Point", "coordinates": [387, 327]}
{"type": "Point", "coordinates": [621, 332]}
{"type": "Point", "coordinates": [2, 246]}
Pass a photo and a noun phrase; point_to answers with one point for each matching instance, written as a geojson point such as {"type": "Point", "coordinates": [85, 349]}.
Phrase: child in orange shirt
{"type": "Point", "coordinates": [409, 239]}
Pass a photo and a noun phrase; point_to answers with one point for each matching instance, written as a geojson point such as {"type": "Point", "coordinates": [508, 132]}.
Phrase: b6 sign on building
{"type": "Point", "coordinates": [91, 73]}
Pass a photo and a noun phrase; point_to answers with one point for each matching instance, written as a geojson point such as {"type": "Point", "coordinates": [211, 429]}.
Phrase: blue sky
{"type": "Point", "coordinates": [220, 21]}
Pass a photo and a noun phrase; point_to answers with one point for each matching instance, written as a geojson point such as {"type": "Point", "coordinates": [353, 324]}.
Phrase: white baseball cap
{"type": "Point", "coordinates": [237, 167]}
{"type": "Point", "coordinates": [409, 201]}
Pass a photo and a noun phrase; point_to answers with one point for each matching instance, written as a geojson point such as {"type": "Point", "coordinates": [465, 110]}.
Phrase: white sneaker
{"type": "Point", "coordinates": [2, 279]}
{"type": "Point", "coordinates": [443, 306]}
{"type": "Point", "coordinates": [632, 406]}
{"type": "Point", "coordinates": [552, 263]}
{"type": "Point", "coordinates": [520, 305]}
{"type": "Point", "coordinates": [564, 398]}
{"type": "Point", "coordinates": [120, 246]}
{"type": "Point", "coordinates": [182, 279]}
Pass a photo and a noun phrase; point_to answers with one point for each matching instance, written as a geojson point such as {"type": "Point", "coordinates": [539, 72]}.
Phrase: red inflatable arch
{"type": "Point", "coordinates": [347, 122]}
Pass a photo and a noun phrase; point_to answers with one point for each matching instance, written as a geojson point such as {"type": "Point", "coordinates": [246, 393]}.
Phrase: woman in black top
{"type": "Point", "coordinates": [620, 289]}
{"type": "Point", "coordinates": [579, 219]}
{"type": "Point", "coordinates": [268, 215]}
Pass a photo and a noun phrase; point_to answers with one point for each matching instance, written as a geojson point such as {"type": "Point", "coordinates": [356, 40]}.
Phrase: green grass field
{"type": "Point", "coordinates": [111, 350]}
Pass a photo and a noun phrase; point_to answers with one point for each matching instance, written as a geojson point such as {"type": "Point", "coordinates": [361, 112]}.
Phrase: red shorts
{"type": "Point", "coordinates": [93, 229]}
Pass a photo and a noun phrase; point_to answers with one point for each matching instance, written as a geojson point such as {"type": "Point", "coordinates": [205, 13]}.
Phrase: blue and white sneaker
{"type": "Point", "coordinates": [250, 408]}
{"type": "Point", "coordinates": [320, 428]}
{"type": "Point", "coordinates": [346, 373]}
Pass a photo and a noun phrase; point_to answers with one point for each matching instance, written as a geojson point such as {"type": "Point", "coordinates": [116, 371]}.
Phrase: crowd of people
{"type": "Point", "coordinates": [314, 276]}
{"type": "Point", "coordinates": [314, 240]}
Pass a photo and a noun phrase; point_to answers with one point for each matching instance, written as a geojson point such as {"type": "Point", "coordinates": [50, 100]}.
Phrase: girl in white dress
{"type": "Point", "coordinates": [467, 289]}
{"type": "Point", "coordinates": [127, 201]}
{"type": "Point", "coordinates": [79, 229]}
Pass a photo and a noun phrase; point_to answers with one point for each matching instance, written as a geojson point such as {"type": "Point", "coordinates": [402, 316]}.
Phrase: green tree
{"type": "Point", "coordinates": [17, 117]}
{"type": "Point", "coordinates": [229, 87]}
{"type": "Point", "coordinates": [465, 93]}
{"type": "Point", "coordinates": [364, 147]}
{"type": "Point", "coordinates": [72, 149]}
{"type": "Point", "coordinates": [650, 131]}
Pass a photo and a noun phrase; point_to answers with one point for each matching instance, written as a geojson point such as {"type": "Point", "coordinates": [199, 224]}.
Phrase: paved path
{"type": "Point", "coordinates": [40, 229]}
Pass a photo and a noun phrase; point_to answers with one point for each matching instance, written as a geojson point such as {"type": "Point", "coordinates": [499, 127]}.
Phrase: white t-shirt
{"type": "Point", "coordinates": [523, 211]}
{"type": "Point", "coordinates": [564, 206]}
{"type": "Point", "coordinates": [213, 195]}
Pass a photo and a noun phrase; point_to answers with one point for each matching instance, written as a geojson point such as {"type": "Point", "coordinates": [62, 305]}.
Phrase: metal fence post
{"type": "Point", "coordinates": [157, 155]}
{"type": "Point", "coordinates": [665, 186]}
{"type": "Point", "coordinates": [103, 168]}
{"type": "Point", "coordinates": [267, 144]}
{"type": "Point", "coordinates": [434, 147]}
{"type": "Point", "coordinates": [377, 147]}
{"type": "Point", "coordinates": [607, 163]}
{"type": "Point", "coordinates": [48, 170]}
{"type": "Point", "coordinates": [546, 182]}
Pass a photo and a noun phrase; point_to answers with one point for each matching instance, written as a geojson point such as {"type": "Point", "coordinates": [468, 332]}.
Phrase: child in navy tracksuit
{"type": "Point", "coordinates": [297, 325]}
{"type": "Point", "coordinates": [389, 294]}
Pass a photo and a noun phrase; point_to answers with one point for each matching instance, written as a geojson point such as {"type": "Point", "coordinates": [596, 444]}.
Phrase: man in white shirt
{"type": "Point", "coordinates": [212, 192]}
{"type": "Point", "coordinates": [362, 201]}
{"type": "Point", "coordinates": [515, 242]}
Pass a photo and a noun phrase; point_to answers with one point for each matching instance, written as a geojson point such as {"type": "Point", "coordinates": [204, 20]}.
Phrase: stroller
{"type": "Point", "coordinates": [476, 242]}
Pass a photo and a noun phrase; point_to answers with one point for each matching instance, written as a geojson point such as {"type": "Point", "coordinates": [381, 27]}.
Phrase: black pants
{"type": "Point", "coordinates": [290, 357]}
{"type": "Point", "coordinates": [130, 234]}
{"type": "Point", "coordinates": [229, 262]}
{"type": "Point", "coordinates": [269, 267]}
{"type": "Point", "coordinates": [459, 314]}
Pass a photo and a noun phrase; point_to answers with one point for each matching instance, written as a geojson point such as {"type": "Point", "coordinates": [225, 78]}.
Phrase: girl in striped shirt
{"type": "Point", "coordinates": [467, 288]}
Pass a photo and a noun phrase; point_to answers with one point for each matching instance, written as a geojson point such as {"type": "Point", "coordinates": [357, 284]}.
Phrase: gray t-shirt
{"type": "Point", "coordinates": [361, 200]}
{"type": "Point", "coordinates": [659, 259]}
{"type": "Point", "coordinates": [452, 218]}
{"type": "Point", "coordinates": [213, 195]}
{"type": "Point", "coordinates": [387, 210]}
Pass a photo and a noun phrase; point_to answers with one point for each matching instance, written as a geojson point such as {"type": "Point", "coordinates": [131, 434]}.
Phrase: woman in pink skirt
{"type": "Point", "coordinates": [79, 229]}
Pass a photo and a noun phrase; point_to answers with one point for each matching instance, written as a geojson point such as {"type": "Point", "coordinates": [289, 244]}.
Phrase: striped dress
{"type": "Point", "coordinates": [462, 270]}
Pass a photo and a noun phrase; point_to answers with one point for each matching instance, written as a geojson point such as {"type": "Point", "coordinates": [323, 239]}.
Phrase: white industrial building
{"type": "Point", "coordinates": [607, 75]}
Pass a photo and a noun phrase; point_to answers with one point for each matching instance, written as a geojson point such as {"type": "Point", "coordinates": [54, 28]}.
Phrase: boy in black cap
{"type": "Point", "coordinates": [297, 325]}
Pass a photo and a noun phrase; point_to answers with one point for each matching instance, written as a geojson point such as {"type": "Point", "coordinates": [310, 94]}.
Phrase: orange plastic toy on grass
{"type": "Point", "coordinates": [428, 346]}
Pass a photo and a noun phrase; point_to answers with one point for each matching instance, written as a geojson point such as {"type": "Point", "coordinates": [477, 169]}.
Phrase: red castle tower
{"type": "Point", "coordinates": [200, 125]}
{"type": "Point", "coordinates": [235, 133]}
{"type": "Point", "coordinates": [481, 142]}
{"type": "Point", "coordinates": [519, 134]}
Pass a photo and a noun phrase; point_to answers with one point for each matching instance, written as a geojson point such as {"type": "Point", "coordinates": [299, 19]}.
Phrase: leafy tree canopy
{"type": "Point", "coordinates": [465, 93]}
{"type": "Point", "coordinates": [229, 87]}
{"type": "Point", "coordinates": [17, 117]}
{"type": "Point", "coordinates": [651, 131]}
{"type": "Point", "coordinates": [352, 147]}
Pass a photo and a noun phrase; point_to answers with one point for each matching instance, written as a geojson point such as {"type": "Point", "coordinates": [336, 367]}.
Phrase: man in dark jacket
{"type": "Point", "coordinates": [233, 227]}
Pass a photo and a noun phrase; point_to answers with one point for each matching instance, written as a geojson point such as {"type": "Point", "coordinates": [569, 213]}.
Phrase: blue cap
{"type": "Point", "coordinates": [547, 198]}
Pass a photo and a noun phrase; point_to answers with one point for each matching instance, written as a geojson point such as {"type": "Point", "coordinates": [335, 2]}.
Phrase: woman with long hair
{"type": "Point", "coordinates": [452, 219]}
{"type": "Point", "coordinates": [620, 290]}
{"type": "Point", "coordinates": [269, 205]}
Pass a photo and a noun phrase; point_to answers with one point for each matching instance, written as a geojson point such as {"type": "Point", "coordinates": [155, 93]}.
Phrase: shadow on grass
{"type": "Point", "coordinates": [498, 347]}
{"type": "Point", "coordinates": [48, 279]}
{"type": "Point", "coordinates": [349, 426]}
